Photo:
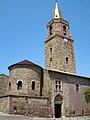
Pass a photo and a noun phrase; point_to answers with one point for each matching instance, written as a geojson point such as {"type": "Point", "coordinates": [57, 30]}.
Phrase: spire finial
{"type": "Point", "coordinates": [57, 13]}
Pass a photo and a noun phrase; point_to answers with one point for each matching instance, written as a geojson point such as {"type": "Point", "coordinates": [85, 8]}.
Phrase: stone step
{"type": "Point", "coordinates": [29, 118]}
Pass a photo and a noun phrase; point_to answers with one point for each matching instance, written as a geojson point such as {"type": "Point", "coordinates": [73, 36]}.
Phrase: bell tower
{"type": "Point", "coordinates": [59, 45]}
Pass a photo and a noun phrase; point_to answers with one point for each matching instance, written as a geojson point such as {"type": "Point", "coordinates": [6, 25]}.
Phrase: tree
{"type": "Point", "coordinates": [87, 95]}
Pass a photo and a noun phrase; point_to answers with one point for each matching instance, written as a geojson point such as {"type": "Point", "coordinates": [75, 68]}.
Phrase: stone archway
{"type": "Point", "coordinates": [58, 106]}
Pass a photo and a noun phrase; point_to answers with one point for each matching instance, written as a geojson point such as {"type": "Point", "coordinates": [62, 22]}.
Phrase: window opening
{"type": "Point", "coordinates": [14, 109]}
{"type": "Point", "coordinates": [77, 87]}
{"type": "Point", "coordinates": [9, 85]}
{"type": "Point", "coordinates": [19, 85]}
{"type": "Point", "coordinates": [50, 61]}
{"type": "Point", "coordinates": [64, 30]}
{"type": "Point", "coordinates": [73, 112]}
{"type": "Point", "coordinates": [82, 112]}
{"type": "Point", "coordinates": [50, 30]}
{"type": "Point", "coordinates": [33, 85]}
{"type": "Point", "coordinates": [58, 85]}
{"type": "Point", "coordinates": [50, 50]}
{"type": "Point", "coordinates": [66, 60]}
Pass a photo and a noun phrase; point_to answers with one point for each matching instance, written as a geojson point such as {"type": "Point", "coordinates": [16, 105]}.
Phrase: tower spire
{"type": "Point", "coordinates": [57, 12]}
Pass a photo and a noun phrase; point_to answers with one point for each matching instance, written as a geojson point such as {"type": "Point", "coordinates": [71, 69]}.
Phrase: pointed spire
{"type": "Point", "coordinates": [57, 13]}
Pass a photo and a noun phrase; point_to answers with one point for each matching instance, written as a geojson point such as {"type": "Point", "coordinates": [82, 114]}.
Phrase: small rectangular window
{"type": "Point", "coordinates": [50, 50]}
{"type": "Point", "coordinates": [64, 30]}
{"type": "Point", "coordinates": [77, 87]}
{"type": "Point", "coordinates": [50, 30]}
{"type": "Point", "coordinates": [9, 85]}
{"type": "Point", "coordinates": [66, 60]}
{"type": "Point", "coordinates": [50, 61]}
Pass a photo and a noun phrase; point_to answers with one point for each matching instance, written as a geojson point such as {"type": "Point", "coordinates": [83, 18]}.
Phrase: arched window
{"type": "Point", "coordinates": [64, 30]}
{"type": "Point", "coordinates": [77, 87]}
{"type": "Point", "coordinates": [19, 85]}
{"type": "Point", "coordinates": [33, 85]}
{"type": "Point", "coordinates": [9, 85]}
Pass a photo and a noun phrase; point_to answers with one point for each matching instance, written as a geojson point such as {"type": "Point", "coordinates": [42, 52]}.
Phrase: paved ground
{"type": "Point", "coordinates": [4, 116]}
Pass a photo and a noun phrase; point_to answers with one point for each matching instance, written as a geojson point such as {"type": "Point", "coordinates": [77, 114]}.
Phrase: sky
{"type": "Point", "coordinates": [23, 31]}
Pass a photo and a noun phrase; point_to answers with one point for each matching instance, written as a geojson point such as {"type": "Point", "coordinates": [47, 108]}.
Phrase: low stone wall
{"type": "Point", "coordinates": [30, 106]}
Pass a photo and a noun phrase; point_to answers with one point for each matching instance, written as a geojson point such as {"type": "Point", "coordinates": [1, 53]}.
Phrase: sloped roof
{"type": "Point", "coordinates": [23, 63]}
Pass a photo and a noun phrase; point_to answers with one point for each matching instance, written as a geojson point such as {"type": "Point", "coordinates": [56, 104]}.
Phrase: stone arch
{"type": "Point", "coordinates": [33, 85]}
{"type": "Point", "coordinates": [58, 99]}
{"type": "Point", "coordinates": [58, 106]}
{"type": "Point", "coordinates": [19, 85]}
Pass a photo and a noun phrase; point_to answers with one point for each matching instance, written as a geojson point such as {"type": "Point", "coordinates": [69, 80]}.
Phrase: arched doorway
{"type": "Point", "coordinates": [58, 106]}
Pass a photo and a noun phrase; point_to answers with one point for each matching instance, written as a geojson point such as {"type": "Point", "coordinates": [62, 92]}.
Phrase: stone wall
{"type": "Point", "coordinates": [31, 106]}
{"type": "Point", "coordinates": [59, 48]}
{"type": "Point", "coordinates": [3, 84]}
{"type": "Point", "coordinates": [77, 103]}
{"type": "Point", "coordinates": [26, 75]}
{"type": "Point", "coordinates": [4, 104]}
{"type": "Point", "coordinates": [73, 102]}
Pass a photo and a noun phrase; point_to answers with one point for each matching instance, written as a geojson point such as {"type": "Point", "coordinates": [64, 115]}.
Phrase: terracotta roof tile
{"type": "Point", "coordinates": [24, 62]}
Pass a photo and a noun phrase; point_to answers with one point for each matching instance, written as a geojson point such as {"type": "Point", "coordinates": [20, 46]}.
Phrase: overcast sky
{"type": "Point", "coordinates": [23, 31]}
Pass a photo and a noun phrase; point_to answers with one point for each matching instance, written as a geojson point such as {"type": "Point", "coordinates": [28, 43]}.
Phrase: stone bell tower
{"type": "Point", "coordinates": [59, 45]}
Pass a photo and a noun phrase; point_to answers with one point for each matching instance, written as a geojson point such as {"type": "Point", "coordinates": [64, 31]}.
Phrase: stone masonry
{"type": "Point", "coordinates": [53, 92]}
{"type": "Point", "coordinates": [59, 51]}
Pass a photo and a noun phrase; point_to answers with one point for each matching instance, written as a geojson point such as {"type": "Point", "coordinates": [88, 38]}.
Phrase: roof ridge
{"type": "Point", "coordinates": [24, 62]}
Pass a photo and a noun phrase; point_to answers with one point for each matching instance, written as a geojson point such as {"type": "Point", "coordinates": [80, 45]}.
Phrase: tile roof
{"type": "Point", "coordinates": [24, 62]}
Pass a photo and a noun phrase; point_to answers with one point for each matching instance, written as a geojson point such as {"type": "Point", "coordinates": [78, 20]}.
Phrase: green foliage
{"type": "Point", "coordinates": [87, 95]}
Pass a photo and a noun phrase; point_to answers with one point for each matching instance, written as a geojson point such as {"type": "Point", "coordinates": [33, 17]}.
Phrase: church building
{"type": "Point", "coordinates": [54, 92]}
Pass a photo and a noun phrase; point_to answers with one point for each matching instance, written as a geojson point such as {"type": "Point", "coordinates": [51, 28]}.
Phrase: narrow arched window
{"type": "Point", "coordinates": [9, 85]}
{"type": "Point", "coordinates": [77, 87]}
{"type": "Point", "coordinates": [33, 85]}
{"type": "Point", "coordinates": [19, 85]}
{"type": "Point", "coordinates": [64, 30]}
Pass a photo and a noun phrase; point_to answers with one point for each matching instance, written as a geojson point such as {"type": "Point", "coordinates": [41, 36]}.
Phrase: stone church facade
{"type": "Point", "coordinates": [55, 91]}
